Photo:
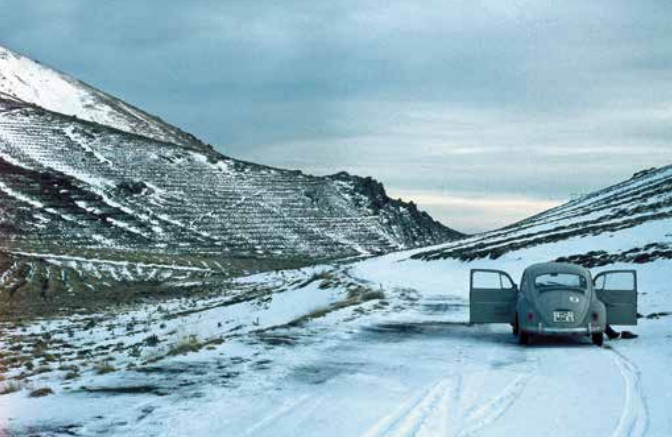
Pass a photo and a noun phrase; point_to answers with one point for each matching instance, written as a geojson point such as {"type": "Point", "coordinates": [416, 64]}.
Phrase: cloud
{"type": "Point", "coordinates": [472, 213]}
{"type": "Point", "coordinates": [513, 98]}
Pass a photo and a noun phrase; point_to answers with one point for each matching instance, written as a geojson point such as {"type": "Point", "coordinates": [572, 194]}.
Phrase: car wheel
{"type": "Point", "coordinates": [598, 339]}
{"type": "Point", "coordinates": [523, 337]}
{"type": "Point", "coordinates": [515, 326]}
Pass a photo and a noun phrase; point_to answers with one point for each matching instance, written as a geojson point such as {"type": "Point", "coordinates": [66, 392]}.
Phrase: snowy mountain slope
{"type": "Point", "coordinates": [32, 82]}
{"type": "Point", "coordinates": [632, 220]}
{"type": "Point", "coordinates": [68, 186]}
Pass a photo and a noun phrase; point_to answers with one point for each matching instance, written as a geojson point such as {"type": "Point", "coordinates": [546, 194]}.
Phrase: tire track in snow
{"type": "Point", "coordinates": [438, 411]}
{"type": "Point", "coordinates": [407, 419]}
{"type": "Point", "coordinates": [447, 420]}
{"type": "Point", "coordinates": [495, 407]}
{"type": "Point", "coordinates": [634, 418]}
{"type": "Point", "coordinates": [281, 412]}
{"type": "Point", "coordinates": [478, 416]}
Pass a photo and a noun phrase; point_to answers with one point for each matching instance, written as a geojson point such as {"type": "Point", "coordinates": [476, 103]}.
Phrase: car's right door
{"type": "Point", "coordinates": [618, 290]}
{"type": "Point", "coordinates": [492, 296]}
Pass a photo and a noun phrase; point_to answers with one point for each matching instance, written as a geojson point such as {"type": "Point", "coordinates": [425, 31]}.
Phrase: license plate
{"type": "Point", "coordinates": [563, 316]}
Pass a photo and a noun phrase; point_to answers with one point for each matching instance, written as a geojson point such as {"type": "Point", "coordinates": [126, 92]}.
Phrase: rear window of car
{"type": "Point", "coordinates": [551, 281]}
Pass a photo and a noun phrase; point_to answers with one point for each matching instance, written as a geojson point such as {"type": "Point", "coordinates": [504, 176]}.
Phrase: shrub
{"type": "Point", "coordinates": [40, 392]}
{"type": "Point", "coordinates": [39, 347]}
{"type": "Point", "coordinates": [152, 340]}
{"type": "Point", "coordinates": [71, 375]}
{"type": "Point", "coordinates": [43, 369]}
{"type": "Point", "coordinates": [70, 367]}
{"type": "Point", "coordinates": [90, 324]}
{"type": "Point", "coordinates": [104, 366]}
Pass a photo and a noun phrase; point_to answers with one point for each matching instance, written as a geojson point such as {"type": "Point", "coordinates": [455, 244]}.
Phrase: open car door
{"type": "Point", "coordinates": [492, 297]}
{"type": "Point", "coordinates": [618, 290]}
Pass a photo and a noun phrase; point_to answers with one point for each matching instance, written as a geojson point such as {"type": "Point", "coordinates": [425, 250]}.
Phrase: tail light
{"type": "Point", "coordinates": [530, 316]}
{"type": "Point", "coordinates": [595, 316]}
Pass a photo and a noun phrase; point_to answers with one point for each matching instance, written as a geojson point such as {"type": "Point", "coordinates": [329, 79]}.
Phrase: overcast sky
{"type": "Point", "coordinates": [481, 111]}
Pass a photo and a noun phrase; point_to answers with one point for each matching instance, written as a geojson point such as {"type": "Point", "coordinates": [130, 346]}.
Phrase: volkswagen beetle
{"type": "Point", "coordinates": [554, 299]}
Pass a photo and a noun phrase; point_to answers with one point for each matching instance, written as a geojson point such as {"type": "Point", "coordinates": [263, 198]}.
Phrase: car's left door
{"type": "Point", "coordinates": [617, 289]}
{"type": "Point", "coordinates": [492, 296]}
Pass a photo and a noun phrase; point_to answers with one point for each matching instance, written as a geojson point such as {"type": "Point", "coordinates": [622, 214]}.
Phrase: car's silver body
{"type": "Point", "coordinates": [548, 308]}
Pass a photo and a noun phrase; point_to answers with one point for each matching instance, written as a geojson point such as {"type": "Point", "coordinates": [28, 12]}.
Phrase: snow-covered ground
{"type": "Point", "coordinates": [361, 364]}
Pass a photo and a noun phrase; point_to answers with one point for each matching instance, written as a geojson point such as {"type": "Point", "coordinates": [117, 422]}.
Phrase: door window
{"type": "Point", "coordinates": [616, 281]}
{"type": "Point", "coordinates": [486, 280]}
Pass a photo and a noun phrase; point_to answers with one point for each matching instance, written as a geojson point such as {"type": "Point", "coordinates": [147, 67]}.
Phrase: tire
{"type": "Point", "coordinates": [514, 326]}
{"type": "Point", "coordinates": [598, 339]}
{"type": "Point", "coordinates": [523, 337]}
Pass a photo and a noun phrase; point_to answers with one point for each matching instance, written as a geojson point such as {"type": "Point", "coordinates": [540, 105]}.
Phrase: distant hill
{"type": "Point", "coordinates": [627, 222]}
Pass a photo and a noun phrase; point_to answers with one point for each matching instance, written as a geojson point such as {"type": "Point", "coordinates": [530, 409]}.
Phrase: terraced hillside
{"type": "Point", "coordinates": [638, 211]}
{"type": "Point", "coordinates": [84, 208]}
{"type": "Point", "coordinates": [82, 185]}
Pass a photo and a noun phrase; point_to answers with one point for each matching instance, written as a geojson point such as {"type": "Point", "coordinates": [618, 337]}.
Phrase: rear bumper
{"type": "Point", "coordinates": [551, 330]}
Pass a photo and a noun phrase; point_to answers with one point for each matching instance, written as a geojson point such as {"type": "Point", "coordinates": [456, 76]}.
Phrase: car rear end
{"type": "Point", "coordinates": [562, 303]}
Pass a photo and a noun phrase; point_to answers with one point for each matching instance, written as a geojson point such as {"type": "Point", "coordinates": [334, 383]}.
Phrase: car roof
{"type": "Point", "coordinates": [556, 267]}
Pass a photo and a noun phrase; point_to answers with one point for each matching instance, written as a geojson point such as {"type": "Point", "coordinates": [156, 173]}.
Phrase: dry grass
{"type": "Point", "coordinates": [153, 355]}
{"type": "Point", "coordinates": [326, 277]}
{"type": "Point", "coordinates": [11, 387]}
{"type": "Point", "coordinates": [103, 367]}
{"type": "Point", "coordinates": [187, 344]}
{"type": "Point", "coordinates": [357, 294]}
